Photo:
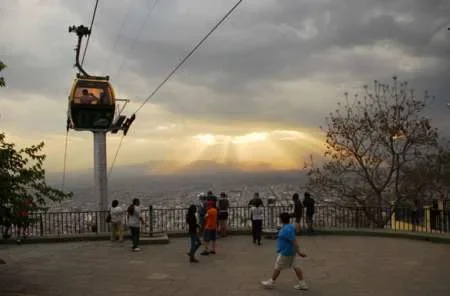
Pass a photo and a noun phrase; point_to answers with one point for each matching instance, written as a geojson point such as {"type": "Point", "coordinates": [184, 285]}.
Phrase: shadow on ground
{"type": "Point", "coordinates": [336, 266]}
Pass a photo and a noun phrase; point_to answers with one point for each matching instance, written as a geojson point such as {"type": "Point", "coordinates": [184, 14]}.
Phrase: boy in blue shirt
{"type": "Point", "coordinates": [287, 249]}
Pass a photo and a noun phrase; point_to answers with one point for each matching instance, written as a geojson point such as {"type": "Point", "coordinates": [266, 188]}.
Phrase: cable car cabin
{"type": "Point", "coordinates": [91, 104]}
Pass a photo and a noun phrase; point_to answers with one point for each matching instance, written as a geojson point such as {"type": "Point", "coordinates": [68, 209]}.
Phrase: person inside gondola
{"type": "Point", "coordinates": [87, 98]}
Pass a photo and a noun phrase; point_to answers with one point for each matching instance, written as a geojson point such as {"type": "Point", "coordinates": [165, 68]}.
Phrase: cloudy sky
{"type": "Point", "coordinates": [257, 91]}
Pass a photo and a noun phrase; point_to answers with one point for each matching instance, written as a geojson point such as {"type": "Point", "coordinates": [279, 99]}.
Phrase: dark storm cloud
{"type": "Point", "coordinates": [263, 44]}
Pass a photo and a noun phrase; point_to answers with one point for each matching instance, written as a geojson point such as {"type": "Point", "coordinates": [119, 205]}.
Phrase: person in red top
{"type": "Point", "coordinates": [210, 228]}
{"type": "Point", "coordinates": [23, 220]}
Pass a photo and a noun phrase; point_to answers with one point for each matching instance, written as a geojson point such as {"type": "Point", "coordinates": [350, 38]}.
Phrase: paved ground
{"type": "Point", "coordinates": [336, 266]}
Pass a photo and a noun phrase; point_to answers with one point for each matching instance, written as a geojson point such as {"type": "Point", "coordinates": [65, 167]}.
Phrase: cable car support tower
{"type": "Point", "coordinates": [100, 118]}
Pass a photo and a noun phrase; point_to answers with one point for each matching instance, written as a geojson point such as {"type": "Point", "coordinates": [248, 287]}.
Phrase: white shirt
{"type": "Point", "coordinates": [116, 214]}
{"type": "Point", "coordinates": [134, 220]}
{"type": "Point", "coordinates": [257, 213]}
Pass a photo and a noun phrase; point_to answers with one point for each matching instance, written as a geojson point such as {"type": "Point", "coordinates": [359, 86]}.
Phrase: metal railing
{"type": "Point", "coordinates": [171, 220]}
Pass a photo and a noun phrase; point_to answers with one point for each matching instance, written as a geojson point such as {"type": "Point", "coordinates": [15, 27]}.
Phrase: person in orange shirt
{"type": "Point", "coordinates": [210, 228]}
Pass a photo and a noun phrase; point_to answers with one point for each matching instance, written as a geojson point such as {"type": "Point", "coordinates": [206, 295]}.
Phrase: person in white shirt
{"type": "Point", "coordinates": [135, 220]}
{"type": "Point", "coordinates": [257, 216]}
{"type": "Point", "coordinates": [117, 214]}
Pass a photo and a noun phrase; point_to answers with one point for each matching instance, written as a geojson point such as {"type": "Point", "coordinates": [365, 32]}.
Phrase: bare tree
{"type": "Point", "coordinates": [2, 79]}
{"type": "Point", "coordinates": [374, 141]}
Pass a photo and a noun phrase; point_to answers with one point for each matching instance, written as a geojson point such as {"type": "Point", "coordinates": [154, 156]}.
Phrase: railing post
{"type": "Point", "coordinates": [41, 226]}
{"type": "Point", "coordinates": [150, 214]}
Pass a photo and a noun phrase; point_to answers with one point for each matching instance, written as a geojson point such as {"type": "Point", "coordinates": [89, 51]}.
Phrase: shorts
{"type": "Point", "coordinates": [209, 235]}
{"type": "Point", "coordinates": [223, 216]}
{"type": "Point", "coordinates": [285, 262]}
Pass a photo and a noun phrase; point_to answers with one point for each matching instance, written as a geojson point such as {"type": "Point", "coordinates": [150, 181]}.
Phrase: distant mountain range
{"type": "Point", "coordinates": [160, 168]}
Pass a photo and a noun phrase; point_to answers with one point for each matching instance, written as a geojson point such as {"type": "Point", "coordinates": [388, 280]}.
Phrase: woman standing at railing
{"type": "Point", "coordinates": [117, 214]}
{"type": "Point", "coordinates": [135, 220]}
{"type": "Point", "coordinates": [194, 227]}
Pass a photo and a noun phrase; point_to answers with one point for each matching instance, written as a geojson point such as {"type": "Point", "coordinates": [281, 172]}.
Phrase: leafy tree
{"type": "Point", "coordinates": [376, 144]}
{"type": "Point", "coordinates": [22, 178]}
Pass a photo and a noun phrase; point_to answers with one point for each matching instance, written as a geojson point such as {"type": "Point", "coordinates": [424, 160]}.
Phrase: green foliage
{"type": "Point", "coordinates": [377, 143]}
{"type": "Point", "coordinates": [2, 79]}
{"type": "Point", "coordinates": [22, 178]}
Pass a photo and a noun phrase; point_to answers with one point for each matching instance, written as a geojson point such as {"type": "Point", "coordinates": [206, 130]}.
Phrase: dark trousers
{"type": "Point", "coordinates": [195, 243]}
{"type": "Point", "coordinates": [135, 234]}
{"type": "Point", "coordinates": [256, 230]}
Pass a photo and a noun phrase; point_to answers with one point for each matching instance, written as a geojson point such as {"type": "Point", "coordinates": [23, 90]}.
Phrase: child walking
{"type": "Point", "coordinates": [191, 221]}
{"type": "Point", "coordinates": [287, 248]}
{"type": "Point", "coordinates": [257, 215]}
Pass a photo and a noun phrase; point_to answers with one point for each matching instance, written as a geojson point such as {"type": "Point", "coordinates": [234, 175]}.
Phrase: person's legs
{"type": "Point", "coordinates": [301, 285]}
{"type": "Point", "coordinates": [298, 273]}
{"type": "Point", "coordinates": [254, 231]}
{"type": "Point", "coordinates": [120, 231]}
{"type": "Point", "coordinates": [135, 237]}
{"type": "Point", "coordinates": [206, 242]}
{"type": "Point", "coordinates": [298, 226]}
{"type": "Point", "coordinates": [193, 243]}
{"type": "Point", "coordinates": [280, 263]}
{"type": "Point", "coordinates": [138, 236]}
{"type": "Point", "coordinates": [213, 239]}
{"type": "Point", "coordinates": [225, 224]}
{"type": "Point", "coordinates": [194, 247]}
{"type": "Point", "coordinates": [113, 231]}
{"type": "Point", "coordinates": [198, 242]}
{"type": "Point", "coordinates": [258, 224]}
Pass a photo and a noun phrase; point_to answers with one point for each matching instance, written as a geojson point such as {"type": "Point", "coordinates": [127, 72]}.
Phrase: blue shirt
{"type": "Point", "coordinates": [285, 240]}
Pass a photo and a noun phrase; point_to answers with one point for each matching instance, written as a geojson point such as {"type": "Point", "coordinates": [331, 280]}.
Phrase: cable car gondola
{"type": "Point", "coordinates": [92, 103]}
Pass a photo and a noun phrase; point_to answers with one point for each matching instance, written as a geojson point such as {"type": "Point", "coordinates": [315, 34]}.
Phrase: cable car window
{"type": "Point", "coordinates": [92, 93]}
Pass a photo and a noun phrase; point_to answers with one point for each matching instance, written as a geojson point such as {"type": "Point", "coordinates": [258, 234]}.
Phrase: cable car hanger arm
{"type": "Point", "coordinates": [81, 32]}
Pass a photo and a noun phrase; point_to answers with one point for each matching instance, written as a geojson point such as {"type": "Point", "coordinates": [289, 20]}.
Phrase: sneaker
{"type": "Point", "coordinates": [213, 252]}
{"type": "Point", "coordinates": [193, 260]}
{"type": "Point", "coordinates": [269, 284]}
{"type": "Point", "coordinates": [301, 286]}
{"type": "Point", "coordinates": [136, 250]}
{"type": "Point", "coordinates": [205, 253]}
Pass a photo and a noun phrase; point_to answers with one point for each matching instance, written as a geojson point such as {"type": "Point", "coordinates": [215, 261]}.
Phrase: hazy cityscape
{"type": "Point", "coordinates": [176, 191]}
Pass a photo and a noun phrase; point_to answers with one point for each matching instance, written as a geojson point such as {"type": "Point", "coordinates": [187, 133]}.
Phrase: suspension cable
{"type": "Point", "coordinates": [90, 30]}
{"type": "Point", "coordinates": [176, 69]}
{"type": "Point", "coordinates": [138, 34]}
{"type": "Point", "coordinates": [189, 55]}
{"type": "Point", "coordinates": [115, 156]}
{"type": "Point", "coordinates": [116, 39]}
{"type": "Point", "coordinates": [65, 161]}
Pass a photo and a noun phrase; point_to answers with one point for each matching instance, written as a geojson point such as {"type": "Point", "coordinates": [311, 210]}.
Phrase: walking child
{"type": "Point", "coordinates": [287, 249]}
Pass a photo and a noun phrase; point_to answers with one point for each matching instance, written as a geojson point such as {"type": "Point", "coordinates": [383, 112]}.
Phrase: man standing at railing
{"type": "Point", "coordinates": [211, 198]}
{"type": "Point", "coordinates": [223, 214]}
{"type": "Point", "coordinates": [308, 203]}
{"type": "Point", "coordinates": [256, 200]}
